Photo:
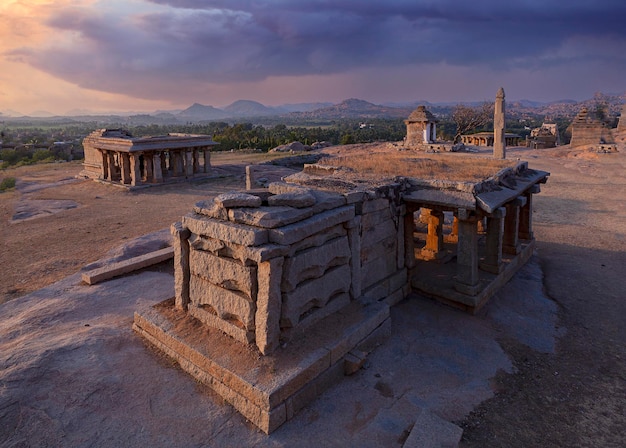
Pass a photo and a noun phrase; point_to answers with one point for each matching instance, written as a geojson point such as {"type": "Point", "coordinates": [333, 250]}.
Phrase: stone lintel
{"type": "Point", "coordinates": [318, 223]}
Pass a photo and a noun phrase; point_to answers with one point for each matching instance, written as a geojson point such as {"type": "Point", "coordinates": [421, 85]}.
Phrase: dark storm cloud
{"type": "Point", "coordinates": [220, 41]}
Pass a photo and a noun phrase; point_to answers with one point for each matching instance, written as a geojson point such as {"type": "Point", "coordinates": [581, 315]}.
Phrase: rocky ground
{"type": "Point", "coordinates": [544, 368]}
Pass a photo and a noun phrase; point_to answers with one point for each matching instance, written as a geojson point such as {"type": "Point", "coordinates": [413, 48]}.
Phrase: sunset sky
{"type": "Point", "coordinates": [145, 55]}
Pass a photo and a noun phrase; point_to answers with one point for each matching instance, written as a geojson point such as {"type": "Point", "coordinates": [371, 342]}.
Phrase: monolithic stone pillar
{"type": "Point", "coordinates": [268, 305]}
{"type": "Point", "coordinates": [493, 244]}
{"type": "Point", "coordinates": [526, 215]}
{"type": "Point", "coordinates": [188, 161]}
{"type": "Point", "coordinates": [511, 226]}
{"type": "Point", "coordinates": [158, 170]}
{"type": "Point", "coordinates": [181, 265]}
{"type": "Point", "coordinates": [409, 241]}
{"type": "Point", "coordinates": [434, 240]}
{"type": "Point", "coordinates": [499, 144]}
{"type": "Point", "coordinates": [164, 156]}
{"type": "Point", "coordinates": [399, 218]}
{"type": "Point", "coordinates": [467, 280]}
{"type": "Point", "coordinates": [125, 167]}
{"type": "Point", "coordinates": [135, 169]}
{"type": "Point", "coordinates": [454, 233]}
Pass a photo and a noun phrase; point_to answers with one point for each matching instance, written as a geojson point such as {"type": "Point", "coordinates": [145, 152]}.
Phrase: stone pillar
{"type": "Point", "coordinates": [467, 280]}
{"type": "Point", "coordinates": [104, 174]}
{"type": "Point", "coordinates": [526, 215]}
{"type": "Point", "coordinates": [207, 160]}
{"type": "Point", "coordinates": [148, 160]}
{"type": "Point", "coordinates": [434, 240]}
{"type": "Point", "coordinates": [268, 305]}
{"type": "Point", "coordinates": [135, 169]}
{"type": "Point", "coordinates": [399, 218]}
{"type": "Point", "coordinates": [164, 156]}
{"type": "Point", "coordinates": [157, 168]}
{"type": "Point", "coordinates": [499, 144]}
{"type": "Point", "coordinates": [493, 244]}
{"type": "Point", "coordinates": [176, 163]}
{"type": "Point", "coordinates": [510, 244]}
{"type": "Point", "coordinates": [111, 166]}
{"type": "Point", "coordinates": [181, 265]}
{"type": "Point", "coordinates": [409, 241]}
{"type": "Point", "coordinates": [188, 163]}
{"type": "Point", "coordinates": [454, 233]}
{"type": "Point", "coordinates": [196, 161]}
{"type": "Point", "coordinates": [125, 168]}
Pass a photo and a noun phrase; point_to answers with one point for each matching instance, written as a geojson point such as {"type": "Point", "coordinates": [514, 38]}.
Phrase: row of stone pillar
{"type": "Point", "coordinates": [136, 168]}
{"type": "Point", "coordinates": [503, 230]}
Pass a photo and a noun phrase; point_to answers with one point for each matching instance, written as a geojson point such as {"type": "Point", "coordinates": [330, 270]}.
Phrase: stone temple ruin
{"type": "Point", "coordinates": [590, 132]}
{"type": "Point", "coordinates": [281, 291]}
{"type": "Point", "coordinates": [114, 156]}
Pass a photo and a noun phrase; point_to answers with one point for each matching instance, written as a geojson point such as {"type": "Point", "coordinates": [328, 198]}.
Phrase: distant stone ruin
{"type": "Point", "coordinates": [487, 139]}
{"type": "Point", "coordinates": [421, 128]}
{"type": "Point", "coordinates": [546, 136]}
{"type": "Point", "coordinates": [591, 133]}
{"type": "Point", "coordinates": [282, 291]}
{"type": "Point", "coordinates": [115, 156]}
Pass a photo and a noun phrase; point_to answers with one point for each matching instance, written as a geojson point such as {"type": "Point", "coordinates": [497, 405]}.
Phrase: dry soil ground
{"type": "Point", "coordinates": [574, 395]}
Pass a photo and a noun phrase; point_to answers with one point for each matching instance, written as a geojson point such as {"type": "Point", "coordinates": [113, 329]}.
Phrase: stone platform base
{"type": "Point", "coordinates": [436, 280]}
{"type": "Point", "coordinates": [267, 390]}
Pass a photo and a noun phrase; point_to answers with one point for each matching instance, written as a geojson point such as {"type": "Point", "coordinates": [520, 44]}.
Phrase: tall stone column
{"type": "Point", "coordinates": [467, 280]}
{"type": "Point", "coordinates": [434, 240]}
{"type": "Point", "coordinates": [157, 175]}
{"type": "Point", "coordinates": [268, 306]}
{"type": "Point", "coordinates": [164, 156]}
{"type": "Point", "coordinates": [354, 240]}
{"type": "Point", "coordinates": [135, 169]}
{"type": "Point", "coordinates": [148, 160]}
{"type": "Point", "coordinates": [493, 244]}
{"type": "Point", "coordinates": [510, 244]}
{"type": "Point", "coordinates": [196, 161]}
{"type": "Point", "coordinates": [499, 144]}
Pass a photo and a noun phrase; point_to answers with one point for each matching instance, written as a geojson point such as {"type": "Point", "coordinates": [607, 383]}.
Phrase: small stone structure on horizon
{"type": "Point", "coordinates": [421, 128]}
{"type": "Point", "coordinates": [115, 156]}
{"type": "Point", "coordinates": [591, 133]}
{"type": "Point", "coordinates": [499, 143]}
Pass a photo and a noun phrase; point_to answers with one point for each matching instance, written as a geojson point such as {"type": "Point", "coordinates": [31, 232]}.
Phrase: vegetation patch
{"type": "Point", "coordinates": [7, 183]}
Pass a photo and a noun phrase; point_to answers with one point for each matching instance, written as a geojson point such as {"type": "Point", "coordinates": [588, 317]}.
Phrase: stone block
{"type": "Point", "coordinates": [284, 187]}
{"type": "Point", "coordinates": [374, 218]}
{"type": "Point", "coordinates": [378, 269]}
{"type": "Point", "coordinates": [236, 199]}
{"type": "Point", "coordinates": [317, 239]}
{"type": "Point", "coordinates": [181, 265]}
{"type": "Point", "coordinates": [226, 231]}
{"type": "Point", "coordinates": [228, 305]}
{"type": "Point", "coordinates": [325, 200]}
{"type": "Point", "coordinates": [207, 244]}
{"type": "Point", "coordinates": [225, 273]}
{"type": "Point", "coordinates": [372, 234]}
{"type": "Point", "coordinates": [382, 247]}
{"type": "Point", "coordinates": [318, 223]}
{"type": "Point", "coordinates": [269, 217]}
{"type": "Point", "coordinates": [227, 327]}
{"type": "Point", "coordinates": [375, 205]}
{"type": "Point", "coordinates": [353, 197]}
{"type": "Point", "coordinates": [292, 199]}
{"type": "Point", "coordinates": [211, 209]}
{"type": "Point", "coordinates": [353, 361]}
{"type": "Point", "coordinates": [312, 263]}
{"type": "Point", "coordinates": [314, 293]}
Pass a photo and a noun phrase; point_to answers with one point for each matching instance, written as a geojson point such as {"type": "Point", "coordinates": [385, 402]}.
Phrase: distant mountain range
{"type": "Point", "coordinates": [348, 109]}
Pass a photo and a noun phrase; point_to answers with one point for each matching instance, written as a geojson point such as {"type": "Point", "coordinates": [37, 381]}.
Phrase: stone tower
{"type": "Point", "coordinates": [421, 127]}
{"type": "Point", "coordinates": [499, 145]}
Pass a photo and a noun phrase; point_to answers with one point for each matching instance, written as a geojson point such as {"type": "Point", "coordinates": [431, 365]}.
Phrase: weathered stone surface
{"type": "Point", "coordinates": [228, 305]}
{"type": "Point", "coordinates": [317, 239]}
{"type": "Point", "coordinates": [226, 231]}
{"type": "Point", "coordinates": [318, 223]}
{"type": "Point", "coordinates": [292, 199]}
{"type": "Point", "coordinates": [378, 268]}
{"type": "Point", "coordinates": [354, 239]}
{"type": "Point", "coordinates": [211, 209]}
{"type": "Point", "coordinates": [314, 293]}
{"type": "Point", "coordinates": [325, 200]}
{"type": "Point", "coordinates": [284, 187]}
{"type": "Point", "coordinates": [229, 200]}
{"type": "Point", "coordinates": [229, 327]}
{"type": "Point", "coordinates": [312, 263]}
{"type": "Point", "coordinates": [269, 217]}
{"type": "Point", "coordinates": [225, 273]}
{"type": "Point", "coordinates": [373, 234]}
{"type": "Point", "coordinates": [375, 205]}
{"type": "Point", "coordinates": [199, 242]}
{"type": "Point", "coordinates": [269, 301]}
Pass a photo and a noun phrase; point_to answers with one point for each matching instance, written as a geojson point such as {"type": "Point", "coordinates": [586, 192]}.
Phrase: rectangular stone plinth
{"type": "Point", "coordinates": [267, 390]}
{"type": "Point", "coordinates": [124, 267]}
